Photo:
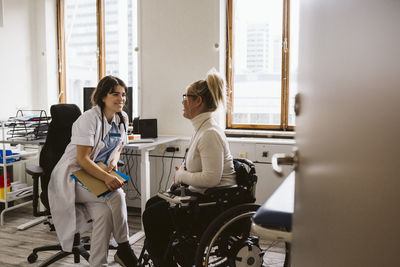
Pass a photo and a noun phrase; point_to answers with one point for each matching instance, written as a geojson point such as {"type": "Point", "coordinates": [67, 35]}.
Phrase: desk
{"type": "Point", "coordinates": [145, 149]}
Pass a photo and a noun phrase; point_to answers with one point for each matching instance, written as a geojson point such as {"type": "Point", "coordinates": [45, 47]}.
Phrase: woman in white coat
{"type": "Point", "coordinates": [97, 135]}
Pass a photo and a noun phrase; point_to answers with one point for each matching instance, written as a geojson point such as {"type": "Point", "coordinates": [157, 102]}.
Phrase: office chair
{"type": "Point", "coordinates": [58, 137]}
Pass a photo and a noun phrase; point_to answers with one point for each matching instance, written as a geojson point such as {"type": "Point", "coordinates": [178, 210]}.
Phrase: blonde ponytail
{"type": "Point", "coordinates": [211, 90]}
{"type": "Point", "coordinates": [216, 84]}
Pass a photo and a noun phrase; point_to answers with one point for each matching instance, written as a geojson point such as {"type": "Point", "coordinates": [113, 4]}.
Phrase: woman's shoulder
{"type": "Point", "coordinates": [213, 128]}
{"type": "Point", "coordinates": [213, 133]}
{"type": "Point", "coordinates": [94, 112]}
{"type": "Point", "coordinates": [88, 118]}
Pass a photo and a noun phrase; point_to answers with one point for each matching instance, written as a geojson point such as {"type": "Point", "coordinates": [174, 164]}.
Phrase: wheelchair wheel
{"type": "Point", "coordinates": [228, 241]}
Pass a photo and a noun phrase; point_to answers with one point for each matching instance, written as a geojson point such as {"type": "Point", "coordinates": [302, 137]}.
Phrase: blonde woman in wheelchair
{"type": "Point", "coordinates": [208, 164]}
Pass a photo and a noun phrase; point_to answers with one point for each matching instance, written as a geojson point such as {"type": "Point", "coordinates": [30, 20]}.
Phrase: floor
{"type": "Point", "coordinates": [16, 245]}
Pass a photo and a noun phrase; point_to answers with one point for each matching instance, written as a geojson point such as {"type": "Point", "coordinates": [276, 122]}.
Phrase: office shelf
{"type": "Point", "coordinates": [24, 148]}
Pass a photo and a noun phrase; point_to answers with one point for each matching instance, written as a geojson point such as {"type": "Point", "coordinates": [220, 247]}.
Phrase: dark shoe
{"type": "Point", "coordinates": [125, 256]}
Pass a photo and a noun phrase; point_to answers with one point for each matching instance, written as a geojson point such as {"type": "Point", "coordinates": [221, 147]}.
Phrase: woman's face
{"type": "Point", "coordinates": [115, 101]}
{"type": "Point", "coordinates": [189, 104]}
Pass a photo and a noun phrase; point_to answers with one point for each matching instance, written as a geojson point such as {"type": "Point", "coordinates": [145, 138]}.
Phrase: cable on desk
{"type": "Point", "coordinates": [133, 180]}
{"type": "Point", "coordinates": [170, 168]}
{"type": "Point", "coordinates": [162, 172]}
{"type": "Point", "coordinates": [128, 167]}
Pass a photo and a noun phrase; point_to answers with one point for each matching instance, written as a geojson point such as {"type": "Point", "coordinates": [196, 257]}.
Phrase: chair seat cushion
{"type": "Point", "coordinates": [277, 211]}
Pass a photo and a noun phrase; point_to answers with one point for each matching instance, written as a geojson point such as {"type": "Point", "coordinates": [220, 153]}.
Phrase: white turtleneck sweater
{"type": "Point", "coordinates": [208, 161]}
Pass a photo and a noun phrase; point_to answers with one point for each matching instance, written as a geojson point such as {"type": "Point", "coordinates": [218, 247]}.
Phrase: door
{"type": "Point", "coordinates": [347, 210]}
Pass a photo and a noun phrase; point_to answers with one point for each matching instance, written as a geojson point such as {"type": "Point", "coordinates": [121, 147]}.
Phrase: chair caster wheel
{"type": "Point", "coordinates": [32, 257]}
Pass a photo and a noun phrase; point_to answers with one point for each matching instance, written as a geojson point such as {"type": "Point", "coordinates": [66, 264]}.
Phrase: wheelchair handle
{"type": "Point", "coordinates": [248, 163]}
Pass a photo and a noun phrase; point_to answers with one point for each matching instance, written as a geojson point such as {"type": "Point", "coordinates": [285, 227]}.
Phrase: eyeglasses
{"type": "Point", "coordinates": [185, 96]}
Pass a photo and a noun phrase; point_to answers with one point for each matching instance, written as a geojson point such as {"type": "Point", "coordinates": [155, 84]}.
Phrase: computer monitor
{"type": "Point", "coordinates": [87, 103]}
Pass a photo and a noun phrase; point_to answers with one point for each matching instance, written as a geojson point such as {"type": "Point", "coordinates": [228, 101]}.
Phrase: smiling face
{"type": "Point", "coordinates": [115, 100]}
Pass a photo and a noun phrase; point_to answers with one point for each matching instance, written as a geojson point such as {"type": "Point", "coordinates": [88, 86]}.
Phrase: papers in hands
{"type": "Point", "coordinates": [94, 185]}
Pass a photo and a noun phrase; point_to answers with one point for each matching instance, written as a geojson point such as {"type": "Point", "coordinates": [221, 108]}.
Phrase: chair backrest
{"type": "Point", "coordinates": [58, 137]}
{"type": "Point", "coordinates": [246, 174]}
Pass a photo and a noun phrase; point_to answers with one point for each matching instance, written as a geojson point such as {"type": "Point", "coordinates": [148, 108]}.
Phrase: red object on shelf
{"type": "Point", "coordinates": [2, 180]}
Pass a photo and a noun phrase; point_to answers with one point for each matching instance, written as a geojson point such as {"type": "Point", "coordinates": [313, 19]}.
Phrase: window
{"type": "Point", "coordinates": [96, 38]}
{"type": "Point", "coordinates": [258, 70]}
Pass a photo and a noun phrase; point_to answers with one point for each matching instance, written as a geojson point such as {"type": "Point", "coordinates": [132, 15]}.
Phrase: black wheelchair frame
{"type": "Point", "coordinates": [225, 240]}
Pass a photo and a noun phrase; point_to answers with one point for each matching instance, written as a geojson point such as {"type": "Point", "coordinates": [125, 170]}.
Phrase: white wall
{"type": "Point", "coordinates": [176, 41]}
{"type": "Point", "coordinates": [28, 70]}
{"type": "Point", "coordinates": [15, 57]}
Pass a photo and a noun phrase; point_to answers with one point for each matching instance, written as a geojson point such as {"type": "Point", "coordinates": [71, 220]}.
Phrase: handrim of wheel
{"type": "Point", "coordinates": [247, 214]}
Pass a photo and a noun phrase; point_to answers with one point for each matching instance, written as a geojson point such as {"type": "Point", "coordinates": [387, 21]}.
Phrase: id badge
{"type": "Point", "coordinates": [115, 135]}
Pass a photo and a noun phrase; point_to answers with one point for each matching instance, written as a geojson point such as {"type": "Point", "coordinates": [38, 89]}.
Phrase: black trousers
{"type": "Point", "coordinates": [159, 222]}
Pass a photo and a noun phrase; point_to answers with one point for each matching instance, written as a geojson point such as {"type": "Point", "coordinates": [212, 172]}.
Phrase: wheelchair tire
{"type": "Point", "coordinates": [228, 241]}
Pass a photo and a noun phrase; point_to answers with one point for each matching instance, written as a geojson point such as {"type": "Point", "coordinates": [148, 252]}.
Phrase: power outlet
{"type": "Point", "coordinates": [242, 154]}
{"type": "Point", "coordinates": [172, 149]}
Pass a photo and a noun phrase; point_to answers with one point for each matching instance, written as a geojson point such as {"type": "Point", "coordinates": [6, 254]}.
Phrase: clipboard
{"type": "Point", "coordinates": [94, 185]}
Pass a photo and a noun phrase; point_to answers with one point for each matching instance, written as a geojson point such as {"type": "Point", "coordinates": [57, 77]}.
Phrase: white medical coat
{"type": "Point", "coordinates": [70, 217]}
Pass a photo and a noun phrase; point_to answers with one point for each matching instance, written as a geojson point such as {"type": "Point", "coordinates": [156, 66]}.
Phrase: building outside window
{"type": "Point", "coordinates": [97, 38]}
{"type": "Point", "coordinates": [262, 64]}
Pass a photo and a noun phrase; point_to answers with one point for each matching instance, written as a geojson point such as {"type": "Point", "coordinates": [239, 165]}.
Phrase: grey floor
{"type": "Point", "coordinates": [16, 245]}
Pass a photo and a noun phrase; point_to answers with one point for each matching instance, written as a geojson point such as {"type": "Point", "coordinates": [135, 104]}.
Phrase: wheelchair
{"type": "Point", "coordinates": [226, 237]}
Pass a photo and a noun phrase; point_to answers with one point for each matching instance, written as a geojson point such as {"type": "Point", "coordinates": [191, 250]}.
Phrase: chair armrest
{"type": "Point", "coordinates": [228, 194]}
{"type": "Point", "coordinates": [35, 171]}
{"type": "Point", "coordinates": [220, 190]}
{"type": "Point", "coordinates": [171, 198]}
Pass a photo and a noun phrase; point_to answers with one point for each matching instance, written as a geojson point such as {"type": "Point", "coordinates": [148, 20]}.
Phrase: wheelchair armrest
{"type": "Point", "coordinates": [35, 171]}
{"type": "Point", "coordinates": [220, 190]}
{"type": "Point", "coordinates": [228, 194]}
{"type": "Point", "coordinates": [171, 198]}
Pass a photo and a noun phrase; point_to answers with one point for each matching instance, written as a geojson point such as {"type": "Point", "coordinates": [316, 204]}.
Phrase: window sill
{"type": "Point", "coordinates": [259, 133]}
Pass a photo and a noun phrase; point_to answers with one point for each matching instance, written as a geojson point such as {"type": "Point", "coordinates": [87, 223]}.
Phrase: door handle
{"type": "Point", "coordinates": [283, 159]}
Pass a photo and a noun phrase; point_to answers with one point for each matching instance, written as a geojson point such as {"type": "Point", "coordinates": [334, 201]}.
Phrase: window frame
{"type": "Point", "coordinates": [101, 55]}
{"type": "Point", "coordinates": [284, 73]}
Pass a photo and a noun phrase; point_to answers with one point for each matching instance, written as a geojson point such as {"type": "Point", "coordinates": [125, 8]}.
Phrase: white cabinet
{"type": "Point", "coordinates": [260, 151]}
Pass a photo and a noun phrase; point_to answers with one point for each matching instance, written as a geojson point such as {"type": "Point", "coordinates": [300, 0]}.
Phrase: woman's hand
{"type": "Point", "coordinates": [175, 185]}
{"type": "Point", "coordinates": [176, 168]}
{"type": "Point", "coordinates": [113, 165]}
{"type": "Point", "coordinates": [113, 183]}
